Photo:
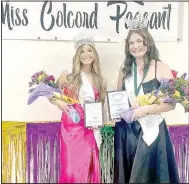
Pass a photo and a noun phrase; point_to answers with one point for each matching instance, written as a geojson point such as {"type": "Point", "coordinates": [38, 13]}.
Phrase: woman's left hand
{"type": "Point", "coordinates": [139, 112]}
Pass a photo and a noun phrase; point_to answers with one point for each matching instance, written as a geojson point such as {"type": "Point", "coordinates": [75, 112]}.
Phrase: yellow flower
{"type": "Point", "coordinates": [150, 98]}
{"type": "Point", "coordinates": [69, 99]}
{"type": "Point", "coordinates": [66, 99]}
{"type": "Point", "coordinates": [40, 77]}
{"type": "Point", "coordinates": [177, 94]}
{"type": "Point", "coordinates": [147, 99]}
{"type": "Point", "coordinates": [185, 102]}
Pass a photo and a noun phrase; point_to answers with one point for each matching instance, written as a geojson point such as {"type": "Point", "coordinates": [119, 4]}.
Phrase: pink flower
{"type": "Point", "coordinates": [50, 78]}
{"type": "Point", "coordinates": [174, 73]}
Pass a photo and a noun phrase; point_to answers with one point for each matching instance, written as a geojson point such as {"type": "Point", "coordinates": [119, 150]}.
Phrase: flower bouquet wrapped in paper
{"type": "Point", "coordinates": [174, 90]}
{"type": "Point", "coordinates": [44, 85]}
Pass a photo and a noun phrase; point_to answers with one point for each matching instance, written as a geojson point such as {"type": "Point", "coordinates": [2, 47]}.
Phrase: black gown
{"type": "Point", "coordinates": [135, 161]}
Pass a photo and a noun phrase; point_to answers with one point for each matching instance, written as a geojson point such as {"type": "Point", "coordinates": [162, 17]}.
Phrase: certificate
{"type": "Point", "coordinates": [93, 114]}
{"type": "Point", "coordinates": [117, 102]}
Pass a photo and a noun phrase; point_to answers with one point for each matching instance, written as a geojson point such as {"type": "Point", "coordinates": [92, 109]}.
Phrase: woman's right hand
{"type": "Point", "coordinates": [63, 106]}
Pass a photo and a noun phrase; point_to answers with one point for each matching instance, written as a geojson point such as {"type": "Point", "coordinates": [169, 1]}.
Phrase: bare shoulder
{"type": "Point", "coordinates": [161, 66]}
{"type": "Point", "coordinates": [63, 78]}
{"type": "Point", "coordinates": [164, 70]}
{"type": "Point", "coordinates": [64, 73]}
{"type": "Point", "coordinates": [121, 69]}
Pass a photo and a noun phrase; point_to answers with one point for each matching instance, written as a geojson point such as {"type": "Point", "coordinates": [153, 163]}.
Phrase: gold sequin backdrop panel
{"type": "Point", "coordinates": [13, 152]}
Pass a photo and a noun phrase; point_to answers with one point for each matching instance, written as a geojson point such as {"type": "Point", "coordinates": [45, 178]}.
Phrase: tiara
{"type": "Point", "coordinates": [83, 39]}
{"type": "Point", "coordinates": [138, 22]}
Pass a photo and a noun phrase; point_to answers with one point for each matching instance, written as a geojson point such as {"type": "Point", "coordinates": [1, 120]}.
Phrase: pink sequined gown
{"type": "Point", "coordinates": [79, 152]}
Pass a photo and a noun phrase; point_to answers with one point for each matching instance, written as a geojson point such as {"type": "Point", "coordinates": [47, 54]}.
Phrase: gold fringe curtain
{"type": "Point", "coordinates": [13, 152]}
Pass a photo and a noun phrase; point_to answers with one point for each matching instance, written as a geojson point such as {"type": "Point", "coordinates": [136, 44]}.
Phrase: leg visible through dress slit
{"type": "Point", "coordinates": [90, 168]}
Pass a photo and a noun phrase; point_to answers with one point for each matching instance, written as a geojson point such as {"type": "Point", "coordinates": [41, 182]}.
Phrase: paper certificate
{"type": "Point", "coordinates": [93, 114]}
{"type": "Point", "coordinates": [117, 102]}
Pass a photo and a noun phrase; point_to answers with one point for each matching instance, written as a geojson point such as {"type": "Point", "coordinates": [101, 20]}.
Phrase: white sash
{"type": "Point", "coordinates": [86, 93]}
{"type": "Point", "coordinates": [150, 123]}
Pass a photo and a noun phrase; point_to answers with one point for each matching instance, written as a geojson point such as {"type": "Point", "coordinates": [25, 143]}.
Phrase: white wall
{"type": "Point", "coordinates": [22, 58]}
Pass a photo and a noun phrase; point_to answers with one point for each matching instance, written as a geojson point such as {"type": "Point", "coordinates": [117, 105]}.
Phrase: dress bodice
{"type": "Point", "coordinates": [150, 86]}
{"type": "Point", "coordinates": [96, 93]}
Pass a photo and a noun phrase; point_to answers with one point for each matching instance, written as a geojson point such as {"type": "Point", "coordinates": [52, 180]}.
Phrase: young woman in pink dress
{"type": "Point", "coordinates": [79, 145]}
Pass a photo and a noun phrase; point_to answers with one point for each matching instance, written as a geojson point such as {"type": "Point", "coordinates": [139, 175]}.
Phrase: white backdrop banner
{"type": "Point", "coordinates": [105, 21]}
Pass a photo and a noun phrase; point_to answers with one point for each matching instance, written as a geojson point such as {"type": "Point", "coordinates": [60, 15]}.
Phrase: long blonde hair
{"type": "Point", "coordinates": [75, 80]}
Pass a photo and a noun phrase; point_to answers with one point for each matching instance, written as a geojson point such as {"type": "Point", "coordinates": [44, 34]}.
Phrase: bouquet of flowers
{"type": "Point", "coordinates": [174, 90]}
{"type": "Point", "coordinates": [44, 85]}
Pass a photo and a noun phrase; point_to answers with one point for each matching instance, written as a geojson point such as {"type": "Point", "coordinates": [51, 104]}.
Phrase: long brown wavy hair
{"type": "Point", "coordinates": [152, 51]}
{"type": "Point", "coordinates": [75, 80]}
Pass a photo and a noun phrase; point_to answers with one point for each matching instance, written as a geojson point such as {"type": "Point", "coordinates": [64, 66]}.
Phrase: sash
{"type": "Point", "coordinates": [150, 123]}
{"type": "Point", "coordinates": [86, 94]}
